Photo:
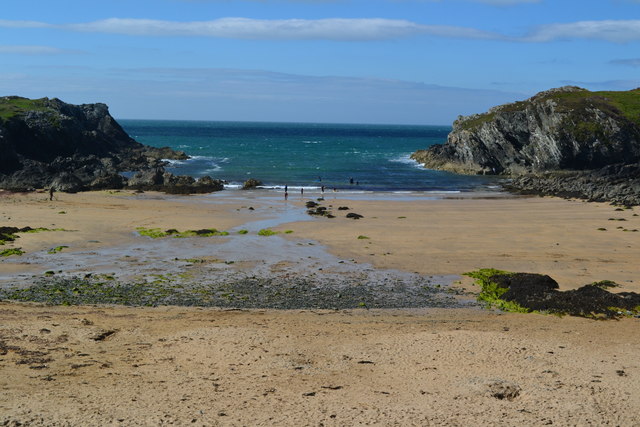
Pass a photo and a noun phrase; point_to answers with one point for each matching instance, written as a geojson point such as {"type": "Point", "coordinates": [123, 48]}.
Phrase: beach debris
{"type": "Point", "coordinates": [529, 292]}
{"type": "Point", "coordinates": [354, 215]}
{"type": "Point", "coordinates": [103, 335]}
{"type": "Point", "coordinates": [503, 390]}
{"type": "Point", "coordinates": [343, 208]}
{"type": "Point", "coordinates": [331, 387]}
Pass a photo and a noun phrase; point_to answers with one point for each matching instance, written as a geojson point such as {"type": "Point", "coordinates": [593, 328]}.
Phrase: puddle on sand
{"type": "Point", "coordinates": [303, 267]}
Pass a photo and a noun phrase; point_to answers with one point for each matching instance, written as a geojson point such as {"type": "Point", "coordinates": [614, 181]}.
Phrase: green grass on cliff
{"type": "Point", "coordinates": [626, 103]}
{"type": "Point", "coordinates": [11, 106]}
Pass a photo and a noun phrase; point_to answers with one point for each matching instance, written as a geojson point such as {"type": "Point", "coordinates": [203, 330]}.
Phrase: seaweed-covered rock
{"type": "Point", "coordinates": [537, 292]}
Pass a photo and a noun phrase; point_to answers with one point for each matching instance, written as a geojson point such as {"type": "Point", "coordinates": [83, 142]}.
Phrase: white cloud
{"type": "Point", "coordinates": [337, 29]}
{"type": "Point", "coordinates": [617, 31]}
{"type": "Point", "coordinates": [343, 29]}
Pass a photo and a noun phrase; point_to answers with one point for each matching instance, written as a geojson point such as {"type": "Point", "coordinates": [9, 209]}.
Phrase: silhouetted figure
{"type": "Point", "coordinates": [51, 191]}
{"type": "Point", "coordinates": [302, 191]}
{"type": "Point", "coordinates": [351, 181]}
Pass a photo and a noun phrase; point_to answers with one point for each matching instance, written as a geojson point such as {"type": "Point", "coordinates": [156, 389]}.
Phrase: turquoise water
{"type": "Point", "coordinates": [305, 155]}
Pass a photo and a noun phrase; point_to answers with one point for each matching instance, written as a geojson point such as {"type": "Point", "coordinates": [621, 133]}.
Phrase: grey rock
{"type": "Point", "coordinates": [565, 128]}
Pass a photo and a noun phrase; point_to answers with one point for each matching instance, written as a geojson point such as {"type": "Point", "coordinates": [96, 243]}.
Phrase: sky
{"type": "Point", "coordinates": [330, 61]}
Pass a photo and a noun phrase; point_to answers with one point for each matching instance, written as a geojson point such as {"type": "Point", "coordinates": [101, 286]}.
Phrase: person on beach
{"type": "Point", "coordinates": [286, 188]}
{"type": "Point", "coordinates": [351, 180]}
{"type": "Point", "coordinates": [51, 191]}
{"type": "Point", "coordinates": [322, 189]}
{"type": "Point", "coordinates": [301, 192]}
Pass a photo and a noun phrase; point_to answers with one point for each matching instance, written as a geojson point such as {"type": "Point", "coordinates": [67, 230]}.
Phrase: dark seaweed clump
{"type": "Point", "coordinates": [527, 292]}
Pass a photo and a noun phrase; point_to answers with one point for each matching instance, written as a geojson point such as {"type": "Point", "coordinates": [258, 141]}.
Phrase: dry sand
{"type": "Point", "coordinates": [154, 366]}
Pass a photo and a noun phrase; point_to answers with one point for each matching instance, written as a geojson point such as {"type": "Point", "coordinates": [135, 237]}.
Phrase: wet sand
{"type": "Point", "coordinates": [148, 366]}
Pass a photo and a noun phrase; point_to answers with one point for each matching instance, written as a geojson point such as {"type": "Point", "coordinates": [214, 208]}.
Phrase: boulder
{"type": "Point", "coordinates": [251, 183]}
{"type": "Point", "coordinates": [67, 182]}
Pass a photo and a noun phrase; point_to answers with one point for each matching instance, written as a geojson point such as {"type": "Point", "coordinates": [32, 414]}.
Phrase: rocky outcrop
{"type": "Point", "coordinates": [561, 129]}
{"type": "Point", "coordinates": [159, 180]}
{"type": "Point", "coordinates": [618, 184]}
{"type": "Point", "coordinates": [48, 143]}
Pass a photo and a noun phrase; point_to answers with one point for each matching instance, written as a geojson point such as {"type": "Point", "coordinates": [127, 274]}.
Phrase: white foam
{"type": "Point", "coordinates": [232, 186]}
{"type": "Point", "coordinates": [407, 160]}
{"type": "Point", "coordinates": [443, 192]}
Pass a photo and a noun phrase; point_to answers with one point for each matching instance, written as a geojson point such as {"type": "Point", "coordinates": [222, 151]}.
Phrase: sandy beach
{"type": "Point", "coordinates": [113, 365]}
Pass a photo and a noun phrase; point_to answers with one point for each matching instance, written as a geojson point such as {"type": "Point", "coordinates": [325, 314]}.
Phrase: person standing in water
{"type": "Point", "coordinates": [301, 191]}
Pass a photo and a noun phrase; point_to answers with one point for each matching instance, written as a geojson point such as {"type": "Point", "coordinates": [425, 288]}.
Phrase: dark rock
{"type": "Point", "coordinates": [619, 184]}
{"type": "Point", "coordinates": [354, 215]}
{"type": "Point", "coordinates": [251, 183]}
{"type": "Point", "coordinates": [113, 181]}
{"type": "Point", "coordinates": [76, 147]}
{"type": "Point", "coordinates": [147, 179]}
{"type": "Point", "coordinates": [540, 293]}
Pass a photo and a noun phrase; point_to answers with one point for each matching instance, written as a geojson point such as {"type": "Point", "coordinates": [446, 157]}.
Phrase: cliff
{"type": "Point", "coordinates": [569, 128]}
{"type": "Point", "coordinates": [46, 142]}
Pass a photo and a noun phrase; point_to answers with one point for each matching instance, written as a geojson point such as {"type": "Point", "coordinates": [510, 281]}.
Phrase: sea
{"type": "Point", "coordinates": [344, 157]}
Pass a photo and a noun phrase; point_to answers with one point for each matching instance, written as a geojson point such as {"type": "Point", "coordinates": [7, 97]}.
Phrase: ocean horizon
{"type": "Point", "coordinates": [354, 157]}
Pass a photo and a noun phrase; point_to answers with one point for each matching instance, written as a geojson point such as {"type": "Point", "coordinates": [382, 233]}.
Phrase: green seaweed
{"type": "Point", "coordinates": [491, 293]}
{"type": "Point", "coordinates": [267, 232]}
{"type": "Point", "coordinates": [57, 249]}
{"type": "Point", "coordinates": [361, 237]}
{"type": "Point", "coordinates": [157, 233]}
{"type": "Point", "coordinates": [243, 231]}
{"type": "Point", "coordinates": [12, 251]}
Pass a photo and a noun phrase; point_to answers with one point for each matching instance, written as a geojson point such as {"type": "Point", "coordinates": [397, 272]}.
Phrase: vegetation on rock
{"type": "Point", "coordinates": [529, 293]}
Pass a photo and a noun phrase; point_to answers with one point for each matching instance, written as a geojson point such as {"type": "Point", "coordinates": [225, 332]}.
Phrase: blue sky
{"type": "Point", "coordinates": [353, 61]}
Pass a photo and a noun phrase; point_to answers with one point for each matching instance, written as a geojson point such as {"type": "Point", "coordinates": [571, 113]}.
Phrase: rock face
{"type": "Point", "coordinates": [561, 129]}
{"type": "Point", "coordinates": [619, 184]}
{"type": "Point", "coordinates": [46, 142]}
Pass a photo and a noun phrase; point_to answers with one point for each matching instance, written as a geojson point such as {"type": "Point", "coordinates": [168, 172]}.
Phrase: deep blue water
{"type": "Point", "coordinates": [305, 155]}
